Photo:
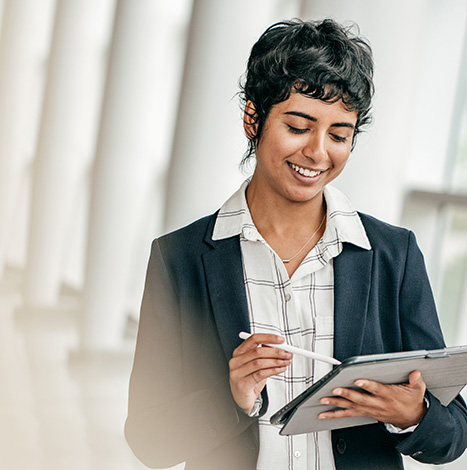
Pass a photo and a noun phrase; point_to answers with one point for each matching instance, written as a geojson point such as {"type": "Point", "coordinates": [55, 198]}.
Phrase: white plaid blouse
{"type": "Point", "coordinates": [300, 309]}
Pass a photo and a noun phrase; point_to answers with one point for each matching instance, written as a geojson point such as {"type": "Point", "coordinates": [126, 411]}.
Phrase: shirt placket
{"type": "Point", "coordinates": [290, 317]}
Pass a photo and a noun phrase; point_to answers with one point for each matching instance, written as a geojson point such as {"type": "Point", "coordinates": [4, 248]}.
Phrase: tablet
{"type": "Point", "coordinates": [444, 372]}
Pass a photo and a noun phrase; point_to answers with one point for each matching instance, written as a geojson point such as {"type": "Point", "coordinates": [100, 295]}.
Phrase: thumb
{"type": "Point", "coordinates": [416, 380]}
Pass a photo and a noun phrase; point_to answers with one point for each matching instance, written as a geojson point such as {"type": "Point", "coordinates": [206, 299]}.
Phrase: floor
{"type": "Point", "coordinates": [58, 412]}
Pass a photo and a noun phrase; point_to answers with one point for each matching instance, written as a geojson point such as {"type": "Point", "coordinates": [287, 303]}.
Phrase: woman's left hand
{"type": "Point", "coordinates": [401, 405]}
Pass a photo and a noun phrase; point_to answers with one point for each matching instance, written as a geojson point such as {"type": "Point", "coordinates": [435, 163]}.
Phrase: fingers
{"type": "Point", "coordinates": [251, 357]}
{"type": "Point", "coordinates": [261, 370]}
{"type": "Point", "coordinates": [415, 385]}
{"type": "Point", "coordinates": [261, 375]}
{"type": "Point", "coordinates": [252, 364]}
{"type": "Point", "coordinates": [263, 361]}
{"type": "Point", "coordinates": [342, 413]}
{"type": "Point", "coordinates": [400, 404]}
{"type": "Point", "coordinates": [352, 402]}
{"type": "Point", "coordinates": [257, 340]}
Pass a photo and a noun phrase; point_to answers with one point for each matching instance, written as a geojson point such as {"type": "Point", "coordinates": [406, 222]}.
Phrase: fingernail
{"type": "Point", "coordinates": [337, 391]}
{"type": "Point", "coordinates": [359, 384]}
{"type": "Point", "coordinates": [325, 401]}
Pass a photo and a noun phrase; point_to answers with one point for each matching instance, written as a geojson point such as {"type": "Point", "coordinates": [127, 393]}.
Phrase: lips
{"type": "Point", "coordinates": [305, 171]}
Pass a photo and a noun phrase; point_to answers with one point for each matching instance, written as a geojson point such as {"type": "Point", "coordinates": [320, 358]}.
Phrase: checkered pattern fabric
{"type": "Point", "coordinates": [299, 308]}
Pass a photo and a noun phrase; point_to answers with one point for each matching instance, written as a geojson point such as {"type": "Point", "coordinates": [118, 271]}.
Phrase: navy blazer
{"type": "Point", "coordinates": [194, 306]}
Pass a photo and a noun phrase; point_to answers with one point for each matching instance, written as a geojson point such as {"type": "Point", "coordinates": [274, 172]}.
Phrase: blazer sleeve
{"type": "Point", "coordinates": [169, 421]}
{"type": "Point", "coordinates": [441, 437]}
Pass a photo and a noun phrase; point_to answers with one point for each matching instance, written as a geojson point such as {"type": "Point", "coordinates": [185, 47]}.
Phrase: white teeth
{"type": "Point", "coordinates": [305, 171]}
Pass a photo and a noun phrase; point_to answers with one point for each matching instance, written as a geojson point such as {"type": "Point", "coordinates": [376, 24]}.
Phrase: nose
{"type": "Point", "coordinates": [315, 148]}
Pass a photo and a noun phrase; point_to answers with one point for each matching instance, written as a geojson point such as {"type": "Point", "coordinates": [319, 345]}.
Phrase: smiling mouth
{"type": "Point", "coordinates": [304, 171]}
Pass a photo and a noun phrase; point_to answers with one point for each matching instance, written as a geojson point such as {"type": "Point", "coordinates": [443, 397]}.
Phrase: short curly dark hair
{"type": "Point", "coordinates": [320, 59]}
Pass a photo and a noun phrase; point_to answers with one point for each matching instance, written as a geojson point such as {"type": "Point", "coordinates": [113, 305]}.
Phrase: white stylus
{"type": "Point", "coordinates": [299, 351]}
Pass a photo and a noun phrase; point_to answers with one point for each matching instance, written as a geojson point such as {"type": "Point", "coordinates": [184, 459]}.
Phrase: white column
{"type": "Point", "coordinates": [24, 44]}
{"type": "Point", "coordinates": [209, 140]}
{"type": "Point", "coordinates": [133, 126]}
{"type": "Point", "coordinates": [66, 140]}
{"type": "Point", "coordinates": [1, 9]}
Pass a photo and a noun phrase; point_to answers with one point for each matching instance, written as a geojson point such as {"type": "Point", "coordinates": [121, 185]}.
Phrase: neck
{"type": "Point", "coordinates": [278, 216]}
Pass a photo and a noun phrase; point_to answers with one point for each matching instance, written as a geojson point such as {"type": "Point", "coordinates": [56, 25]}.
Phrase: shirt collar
{"type": "Point", "coordinates": [343, 221]}
{"type": "Point", "coordinates": [234, 217]}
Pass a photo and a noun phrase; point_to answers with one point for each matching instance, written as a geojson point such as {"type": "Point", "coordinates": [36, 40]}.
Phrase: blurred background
{"type": "Point", "coordinates": [119, 121]}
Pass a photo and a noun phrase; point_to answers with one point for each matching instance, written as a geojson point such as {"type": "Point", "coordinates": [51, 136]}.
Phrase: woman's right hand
{"type": "Point", "coordinates": [251, 365]}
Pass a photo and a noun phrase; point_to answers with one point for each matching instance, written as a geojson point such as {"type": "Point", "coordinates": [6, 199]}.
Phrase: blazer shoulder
{"type": "Point", "coordinates": [191, 235]}
{"type": "Point", "coordinates": [390, 240]}
{"type": "Point", "coordinates": [378, 230]}
{"type": "Point", "coordinates": [183, 248]}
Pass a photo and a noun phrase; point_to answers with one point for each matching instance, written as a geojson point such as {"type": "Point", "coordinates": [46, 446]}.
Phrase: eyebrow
{"type": "Point", "coordinates": [313, 119]}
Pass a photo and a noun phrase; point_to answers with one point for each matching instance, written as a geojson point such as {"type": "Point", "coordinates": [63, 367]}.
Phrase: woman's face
{"type": "Point", "coordinates": [305, 145]}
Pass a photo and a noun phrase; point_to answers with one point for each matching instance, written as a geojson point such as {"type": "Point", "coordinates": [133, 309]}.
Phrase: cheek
{"type": "Point", "coordinates": [340, 158]}
{"type": "Point", "coordinates": [285, 147]}
{"type": "Point", "coordinates": [275, 151]}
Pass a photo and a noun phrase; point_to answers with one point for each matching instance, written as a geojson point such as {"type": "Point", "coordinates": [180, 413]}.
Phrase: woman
{"type": "Point", "coordinates": [288, 259]}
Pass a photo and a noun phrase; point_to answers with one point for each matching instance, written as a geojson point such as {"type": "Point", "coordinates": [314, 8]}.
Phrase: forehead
{"type": "Point", "coordinates": [322, 111]}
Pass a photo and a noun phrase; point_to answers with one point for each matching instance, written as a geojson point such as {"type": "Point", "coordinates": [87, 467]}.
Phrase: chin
{"type": "Point", "coordinates": [305, 195]}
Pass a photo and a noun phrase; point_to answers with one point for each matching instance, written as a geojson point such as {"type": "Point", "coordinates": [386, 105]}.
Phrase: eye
{"type": "Point", "coordinates": [338, 138]}
{"type": "Point", "coordinates": [296, 130]}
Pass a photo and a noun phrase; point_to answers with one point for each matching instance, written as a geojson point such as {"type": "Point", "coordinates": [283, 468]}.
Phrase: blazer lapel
{"type": "Point", "coordinates": [226, 286]}
{"type": "Point", "coordinates": [352, 280]}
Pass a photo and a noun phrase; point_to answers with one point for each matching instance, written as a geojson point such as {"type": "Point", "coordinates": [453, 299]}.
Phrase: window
{"type": "Point", "coordinates": [452, 286]}
{"type": "Point", "coordinates": [438, 215]}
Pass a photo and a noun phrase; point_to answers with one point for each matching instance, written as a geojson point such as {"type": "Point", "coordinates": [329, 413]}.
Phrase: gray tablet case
{"type": "Point", "coordinates": [444, 372]}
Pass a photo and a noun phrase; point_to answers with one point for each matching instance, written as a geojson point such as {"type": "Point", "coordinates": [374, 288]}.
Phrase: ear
{"type": "Point", "coordinates": [249, 120]}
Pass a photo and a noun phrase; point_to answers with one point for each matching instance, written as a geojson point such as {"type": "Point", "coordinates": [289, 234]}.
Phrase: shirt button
{"type": "Point", "coordinates": [341, 446]}
{"type": "Point", "coordinates": [287, 297]}
{"type": "Point", "coordinates": [250, 234]}
{"type": "Point", "coordinates": [297, 454]}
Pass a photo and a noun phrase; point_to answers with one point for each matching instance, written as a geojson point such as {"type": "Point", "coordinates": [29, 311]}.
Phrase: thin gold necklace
{"type": "Point", "coordinates": [308, 241]}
